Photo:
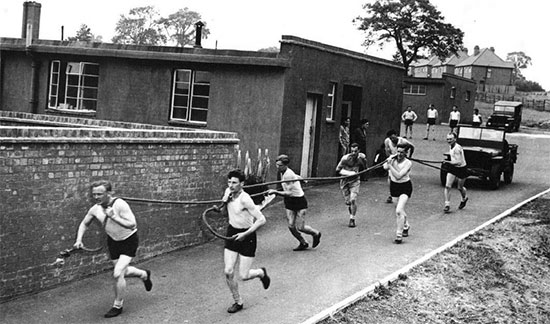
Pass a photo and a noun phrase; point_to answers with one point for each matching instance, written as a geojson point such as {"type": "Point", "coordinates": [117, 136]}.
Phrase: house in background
{"type": "Point", "coordinates": [288, 102]}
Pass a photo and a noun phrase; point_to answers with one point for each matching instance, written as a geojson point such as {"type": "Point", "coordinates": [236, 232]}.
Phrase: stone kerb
{"type": "Point", "coordinates": [44, 194]}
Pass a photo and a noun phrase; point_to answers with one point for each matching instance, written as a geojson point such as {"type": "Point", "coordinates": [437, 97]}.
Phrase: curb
{"type": "Point", "coordinates": [392, 277]}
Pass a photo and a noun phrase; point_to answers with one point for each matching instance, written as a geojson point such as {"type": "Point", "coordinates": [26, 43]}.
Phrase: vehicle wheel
{"type": "Point", "coordinates": [509, 174]}
{"type": "Point", "coordinates": [443, 177]}
{"type": "Point", "coordinates": [494, 177]}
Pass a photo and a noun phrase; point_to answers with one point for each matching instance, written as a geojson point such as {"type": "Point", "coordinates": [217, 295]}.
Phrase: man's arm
{"type": "Point", "coordinates": [82, 228]}
{"type": "Point", "coordinates": [121, 214]}
{"type": "Point", "coordinates": [398, 174]}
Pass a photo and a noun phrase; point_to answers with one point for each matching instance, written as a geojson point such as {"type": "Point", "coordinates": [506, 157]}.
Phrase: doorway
{"type": "Point", "coordinates": [309, 138]}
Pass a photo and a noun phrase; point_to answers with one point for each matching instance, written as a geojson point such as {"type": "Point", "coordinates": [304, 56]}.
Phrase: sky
{"type": "Point", "coordinates": [506, 25]}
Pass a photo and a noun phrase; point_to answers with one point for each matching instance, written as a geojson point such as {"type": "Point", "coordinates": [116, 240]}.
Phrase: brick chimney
{"type": "Point", "coordinates": [31, 19]}
{"type": "Point", "coordinates": [476, 50]}
{"type": "Point", "coordinates": [492, 49]}
{"type": "Point", "coordinates": [198, 34]}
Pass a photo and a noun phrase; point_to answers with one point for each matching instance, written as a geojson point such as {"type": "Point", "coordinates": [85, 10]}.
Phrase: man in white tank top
{"type": "Point", "coordinates": [120, 225]}
{"type": "Point", "coordinates": [457, 170]}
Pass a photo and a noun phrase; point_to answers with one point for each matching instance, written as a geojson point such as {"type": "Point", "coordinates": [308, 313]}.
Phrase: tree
{"type": "Point", "coordinates": [84, 34]}
{"type": "Point", "coordinates": [179, 27]}
{"type": "Point", "coordinates": [527, 86]}
{"type": "Point", "coordinates": [271, 49]}
{"type": "Point", "coordinates": [416, 27]}
{"type": "Point", "coordinates": [140, 27]}
{"type": "Point", "coordinates": [521, 61]}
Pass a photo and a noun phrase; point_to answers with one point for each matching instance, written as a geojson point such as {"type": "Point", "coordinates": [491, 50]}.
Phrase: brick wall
{"type": "Point", "coordinates": [44, 194]}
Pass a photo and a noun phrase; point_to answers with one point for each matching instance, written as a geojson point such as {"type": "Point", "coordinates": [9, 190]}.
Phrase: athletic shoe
{"type": "Point", "coordinates": [425, 138]}
{"type": "Point", "coordinates": [463, 203]}
{"type": "Point", "coordinates": [447, 209]}
{"type": "Point", "coordinates": [389, 200]}
{"type": "Point", "coordinates": [301, 247]}
{"type": "Point", "coordinates": [316, 240]}
{"type": "Point", "coordinates": [147, 282]}
{"type": "Point", "coordinates": [406, 232]}
{"type": "Point", "coordinates": [235, 308]}
{"type": "Point", "coordinates": [351, 223]}
{"type": "Point", "coordinates": [434, 138]}
{"type": "Point", "coordinates": [398, 240]}
{"type": "Point", "coordinates": [265, 279]}
{"type": "Point", "coordinates": [113, 312]}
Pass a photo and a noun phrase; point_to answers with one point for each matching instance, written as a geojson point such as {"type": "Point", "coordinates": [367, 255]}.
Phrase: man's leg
{"type": "Point", "coordinates": [300, 223]}
{"type": "Point", "coordinates": [292, 227]}
{"type": "Point", "coordinates": [401, 217]}
{"type": "Point", "coordinates": [230, 260]}
{"type": "Point", "coordinates": [427, 131]}
{"type": "Point", "coordinates": [448, 185]}
{"type": "Point", "coordinates": [463, 193]}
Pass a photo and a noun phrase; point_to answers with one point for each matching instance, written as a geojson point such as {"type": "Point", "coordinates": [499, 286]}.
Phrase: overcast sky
{"type": "Point", "coordinates": [506, 25]}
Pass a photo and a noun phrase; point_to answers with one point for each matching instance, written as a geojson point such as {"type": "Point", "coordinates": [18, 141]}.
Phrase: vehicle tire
{"type": "Point", "coordinates": [509, 174]}
{"type": "Point", "coordinates": [494, 177]}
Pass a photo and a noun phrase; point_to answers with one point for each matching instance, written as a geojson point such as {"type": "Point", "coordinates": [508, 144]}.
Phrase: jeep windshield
{"type": "Point", "coordinates": [507, 110]}
{"type": "Point", "coordinates": [485, 134]}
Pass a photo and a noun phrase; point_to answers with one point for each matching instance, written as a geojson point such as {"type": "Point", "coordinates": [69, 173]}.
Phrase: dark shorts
{"type": "Point", "coordinates": [431, 121]}
{"type": "Point", "coordinates": [459, 172]}
{"type": "Point", "coordinates": [399, 188]}
{"type": "Point", "coordinates": [476, 124]}
{"type": "Point", "coordinates": [246, 247]}
{"type": "Point", "coordinates": [295, 203]}
{"type": "Point", "coordinates": [453, 123]}
{"type": "Point", "coordinates": [127, 247]}
{"type": "Point", "coordinates": [408, 122]}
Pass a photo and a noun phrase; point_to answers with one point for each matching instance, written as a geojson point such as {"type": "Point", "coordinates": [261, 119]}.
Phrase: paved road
{"type": "Point", "coordinates": [189, 286]}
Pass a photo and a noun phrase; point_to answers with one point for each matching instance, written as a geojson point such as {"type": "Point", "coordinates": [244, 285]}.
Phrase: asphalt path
{"type": "Point", "coordinates": [189, 285]}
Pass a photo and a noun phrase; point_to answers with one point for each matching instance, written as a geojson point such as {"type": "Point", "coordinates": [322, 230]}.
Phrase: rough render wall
{"type": "Point", "coordinates": [44, 194]}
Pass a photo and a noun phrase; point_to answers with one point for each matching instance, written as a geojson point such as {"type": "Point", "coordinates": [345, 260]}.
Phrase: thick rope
{"type": "Point", "coordinates": [67, 252]}
{"type": "Point", "coordinates": [210, 228]}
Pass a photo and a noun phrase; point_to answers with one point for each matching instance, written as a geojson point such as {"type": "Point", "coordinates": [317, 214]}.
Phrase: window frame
{"type": "Point", "coordinates": [419, 89]}
{"type": "Point", "coordinates": [62, 96]}
{"type": "Point", "coordinates": [191, 96]}
{"type": "Point", "coordinates": [331, 101]}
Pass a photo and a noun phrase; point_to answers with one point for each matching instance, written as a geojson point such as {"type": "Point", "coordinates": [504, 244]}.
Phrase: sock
{"type": "Point", "coordinates": [118, 304]}
{"type": "Point", "coordinates": [447, 203]}
{"type": "Point", "coordinates": [351, 216]}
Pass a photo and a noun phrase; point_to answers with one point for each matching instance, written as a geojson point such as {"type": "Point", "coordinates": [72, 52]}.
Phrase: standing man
{"type": "Point", "coordinates": [295, 204]}
{"type": "Point", "coordinates": [244, 219]}
{"type": "Point", "coordinates": [350, 165]}
{"type": "Point", "coordinates": [120, 225]}
{"type": "Point", "coordinates": [476, 118]}
{"type": "Point", "coordinates": [457, 169]}
{"type": "Point", "coordinates": [409, 117]}
{"type": "Point", "coordinates": [399, 168]}
{"type": "Point", "coordinates": [454, 119]}
{"type": "Point", "coordinates": [344, 136]}
{"type": "Point", "coordinates": [432, 117]}
{"type": "Point", "coordinates": [391, 143]}
{"type": "Point", "coordinates": [360, 136]}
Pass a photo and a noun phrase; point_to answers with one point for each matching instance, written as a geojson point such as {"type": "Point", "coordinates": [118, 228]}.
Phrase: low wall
{"type": "Point", "coordinates": [44, 194]}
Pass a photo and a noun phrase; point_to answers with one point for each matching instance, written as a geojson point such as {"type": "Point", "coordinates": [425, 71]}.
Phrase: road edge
{"type": "Point", "coordinates": [394, 276]}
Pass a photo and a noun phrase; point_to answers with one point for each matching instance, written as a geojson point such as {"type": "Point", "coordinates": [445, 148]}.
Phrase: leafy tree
{"type": "Point", "coordinates": [416, 26]}
{"type": "Point", "coordinates": [527, 86]}
{"type": "Point", "coordinates": [179, 27]}
{"type": "Point", "coordinates": [271, 49]}
{"type": "Point", "coordinates": [140, 27]}
{"type": "Point", "coordinates": [521, 61]}
{"type": "Point", "coordinates": [84, 34]}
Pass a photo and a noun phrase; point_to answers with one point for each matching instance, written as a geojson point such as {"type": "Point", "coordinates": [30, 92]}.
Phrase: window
{"type": "Point", "coordinates": [190, 96]}
{"type": "Point", "coordinates": [468, 95]}
{"type": "Point", "coordinates": [331, 101]}
{"type": "Point", "coordinates": [453, 92]}
{"type": "Point", "coordinates": [415, 89]}
{"type": "Point", "coordinates": [489, 72]}
{"type": "Point", "coordinates": [76, 89]}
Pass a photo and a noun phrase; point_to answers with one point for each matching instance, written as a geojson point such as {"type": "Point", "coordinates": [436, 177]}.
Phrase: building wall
{"type": "Point", "coordinates": [44, 194]}
{"type": "Point", "coordinates": [16, 76]}
{"type": "Point", "coordinates": [499, 76]}
{"type": "Point", "coordinates": [376, 89]}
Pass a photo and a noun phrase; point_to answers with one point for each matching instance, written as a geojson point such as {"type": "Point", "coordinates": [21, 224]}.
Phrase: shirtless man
{"type": "Point", "coordinates": [351, 164]}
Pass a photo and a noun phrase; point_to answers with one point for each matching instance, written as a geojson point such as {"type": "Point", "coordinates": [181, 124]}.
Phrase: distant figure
{"type": "Point", "coordinates": [295, 204]}
{"type": "Point", "coordinates": [432, 118]}
{"type": "Point", "coordinates": [345, 136]}
{"type": "Point", "coordinates": [409, 117]}
{"type": "Point", "coordinates": [360, 136]}
{"type": "Point", "coordinates": [454, 119]}
{"type": "Point", "coordinates": [476, 118]}
{"type": "Point", "coordinates": [457, 170]}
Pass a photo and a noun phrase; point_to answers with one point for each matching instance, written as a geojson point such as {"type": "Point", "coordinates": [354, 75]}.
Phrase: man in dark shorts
{"type": "Point", "coordinates": [457, 169]}
{"type": "Point", "coordinates": [431, 114]}
{"type": "Point", "coordinates": [295, 204]}
{"type": "Point", "coordinates": [244, 219]}
{"type": "Point", "coordinates": [350, 165]}
{"type": "Point", "coordinates": [409, 117]}
{"type": "Point", "coordinates": [119, 223]}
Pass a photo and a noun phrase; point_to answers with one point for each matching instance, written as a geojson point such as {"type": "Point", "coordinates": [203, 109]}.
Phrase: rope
{"type": "Point", "coordinates": [210, 228]}
{"type": "Point", "coordinates": [60, 260]}
{"type": "Point", "coordinates": [425, 162]}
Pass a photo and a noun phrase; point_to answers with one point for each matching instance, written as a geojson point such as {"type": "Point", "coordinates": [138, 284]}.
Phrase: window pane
{"type": "Point", "coordinates": [181, 101]}
{"type": "Point", "coordinates": [199, 102]}
{"type": "Point", "coordinates": [89, 104]}
{"type": "Point", "coordinates": [182, 88]}
{"type": "Point", "coordinates": [72, 91]}
{"type": "Point", "coordinates": [180, 113]}
{"type": "Point", "coordinates": [71, 102]}
{"type": "Point", "coordinates": [53, 102]}
{"type": "Point", "coordinates": [201, 90]}
{"type": "Point", "coordinates": [72, 80]}
{"type": "Point", "coordinates": [91, 69]}
{"type": "Point", "coordinates": [89, 93]}
{"type": "Point", "coordinates": [198, 115]}
{"type": "Point", "coordinates": [90, 81]}
{"type": "Point", "coordinates": [202, 77]}
{"type": "Point", "coordinates": [183, 76]}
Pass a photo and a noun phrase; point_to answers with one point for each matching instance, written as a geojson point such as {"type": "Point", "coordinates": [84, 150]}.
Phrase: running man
{"type": "Point", "coordinates": [432, 117]}
{"type": "Point", "coordinates": [399, 169]}
{"type": "Point", "coordinates": [350, 165]}
{"type": "Point", "coordinates": [457, 169]}
{"type": "Point", "coordinates": [391, 142]}
{"type": "Point", "coordinates": [295, 204]}
{"type": "Point", "coordinates": [409, 117]}
{"type": "Point", "coordinates": [119, 223]}
{"type": "Point", "coordinates": [244, 219]}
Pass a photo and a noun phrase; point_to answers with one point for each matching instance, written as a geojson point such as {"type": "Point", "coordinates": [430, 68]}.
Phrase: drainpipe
{"type": "Point", "coordinates": [198, 34]}
{"type": "Point", "coordinates": [31, 23]}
